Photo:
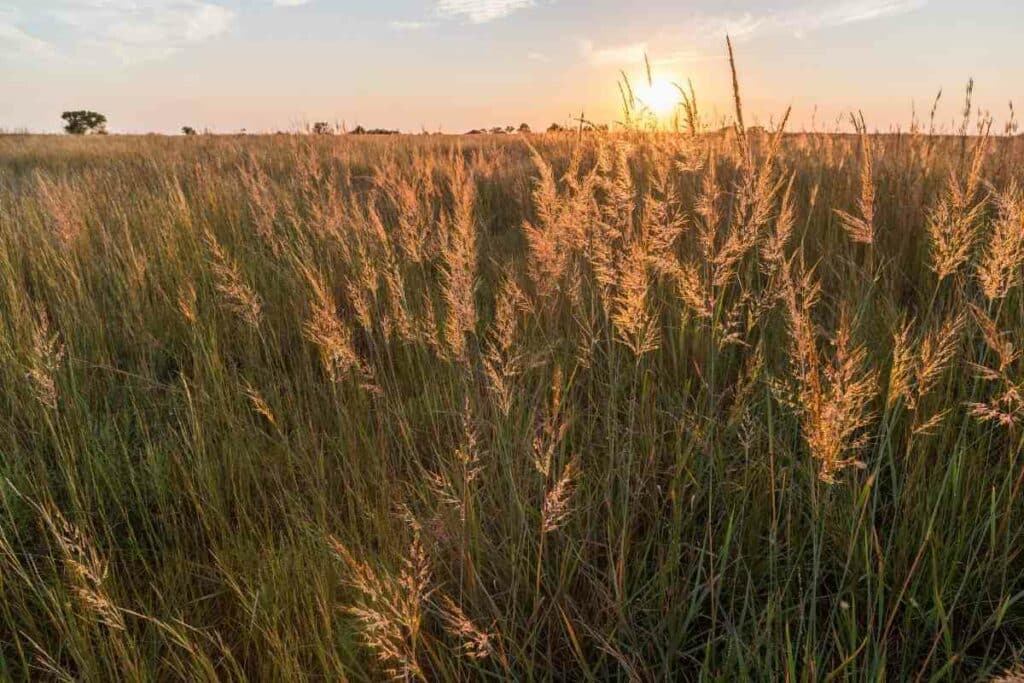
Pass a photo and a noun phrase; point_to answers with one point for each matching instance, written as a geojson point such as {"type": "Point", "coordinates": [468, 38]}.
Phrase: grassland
{"type": "Point", "coordinates": [622, 406]}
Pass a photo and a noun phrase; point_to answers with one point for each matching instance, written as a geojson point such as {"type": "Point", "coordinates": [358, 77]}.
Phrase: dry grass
{"type": "Point", "coordinates": [635, 406]}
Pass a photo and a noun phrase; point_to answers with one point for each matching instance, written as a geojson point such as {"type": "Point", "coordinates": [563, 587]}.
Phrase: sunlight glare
{"type": "Point", "coordinates": [659, 96]}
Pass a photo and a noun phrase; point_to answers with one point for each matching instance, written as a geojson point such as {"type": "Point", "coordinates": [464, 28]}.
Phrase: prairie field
{"type": "Point", "coordinates": [574, 406]}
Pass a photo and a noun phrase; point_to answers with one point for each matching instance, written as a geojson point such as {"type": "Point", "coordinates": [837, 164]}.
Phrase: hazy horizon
{"type": "Point", "coordinates": [453, 65]}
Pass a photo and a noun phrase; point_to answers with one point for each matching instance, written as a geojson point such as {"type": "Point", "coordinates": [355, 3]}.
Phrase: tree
{"type": "Point", "coordinates": [555, 128]}
{"type": "Point", "coordinates": [188, 130]}
{"type": "Point", "coordinates": [524, 128]}
{"type": "Point", "coordinates": [359, 130]}
{"type": "Point", "coordinates": [322, 128]}
{"type": "Point", "coordinates": [84, 121]}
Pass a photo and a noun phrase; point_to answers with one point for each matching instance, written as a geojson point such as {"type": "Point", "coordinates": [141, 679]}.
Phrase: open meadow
{"type": "Point", "coordinates": [621, 406]}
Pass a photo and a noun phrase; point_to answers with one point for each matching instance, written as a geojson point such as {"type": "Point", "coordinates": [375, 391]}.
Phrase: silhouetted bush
{"type": "Point", "coordinates": [84, 121]}
{"type": "Point", "coordinates": [359, 130]}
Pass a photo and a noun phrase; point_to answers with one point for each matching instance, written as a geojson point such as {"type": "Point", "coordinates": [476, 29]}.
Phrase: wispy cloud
{"type": "Point", "coordinates": [707, 31]}
{"type": "Point", "coordinates": [481, 11]}
{"type": "Point", "coordinates": [16, 41]}
{"type": "Point", "coordinates": [737, 26]}
{"type": "Point", "coordinates": [613, 54]}
{"type": "Point", "coordinates": [808, 19]}
{"type": "Point", "coordinates": [290, 3]}
{"type": "Point", "coordinates": [865, 10]}
{"type": "Point", "coordinates": [410, 25]}
{"type": "Point", "coordinates": [633, 54]}
{"type": "Point", "coordinates": [135, 32]}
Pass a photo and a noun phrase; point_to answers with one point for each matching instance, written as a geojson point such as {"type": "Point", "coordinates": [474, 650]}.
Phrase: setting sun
{"type": "Point", "coordinates": [660, 96]}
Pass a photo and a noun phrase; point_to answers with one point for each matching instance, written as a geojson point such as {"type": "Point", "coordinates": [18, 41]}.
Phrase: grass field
{"type": "Point", "coordinates": [624, 406]}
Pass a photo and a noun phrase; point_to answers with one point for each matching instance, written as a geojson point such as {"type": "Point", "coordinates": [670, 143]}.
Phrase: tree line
{"type": "Point", "coordinates": [85, 122]}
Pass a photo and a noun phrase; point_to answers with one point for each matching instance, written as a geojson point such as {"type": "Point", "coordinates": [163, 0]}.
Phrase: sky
{"type": "Point", "coordinates": [452, 65]}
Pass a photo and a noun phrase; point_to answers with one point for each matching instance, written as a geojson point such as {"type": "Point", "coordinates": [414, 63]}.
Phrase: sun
{"type": "Point", "coordinates": [659, 96]}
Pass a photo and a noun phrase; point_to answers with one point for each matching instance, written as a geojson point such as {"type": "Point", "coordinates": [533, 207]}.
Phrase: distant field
{"type": "Point", "coordinates": [550, 407]}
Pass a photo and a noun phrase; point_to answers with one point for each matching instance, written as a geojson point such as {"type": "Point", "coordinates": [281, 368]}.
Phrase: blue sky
{"type": "Point", "coordinates": [155, 65]}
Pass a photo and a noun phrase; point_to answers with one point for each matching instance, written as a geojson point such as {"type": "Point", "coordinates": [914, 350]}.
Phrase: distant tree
{"type": "Point", "coordinates": [188, 130]}
{"type": "Point", "coordinates": [359, 130]}
{"type": "Point", "coordinates": [510, 129]}
{"type": "Point", "coordinates": [322, 128]}
{"type": "Point", "coordinates": [524, 128]}
{"type": "Point", "coordinates": [555, 128]}
{"type": "Point", "coordinates": [497, 130]}
{"type": "Point", "coordinates": [84, 121]}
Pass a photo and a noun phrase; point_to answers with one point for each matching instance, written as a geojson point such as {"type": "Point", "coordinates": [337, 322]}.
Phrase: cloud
{"type": "Point", "coordinates": [207, 21]}
{"type": "Point", "coordinates": [135, 32]}
{"type": "Point", "coordinates": [615, 54]}
{"type": "Point", "coordinates": [17, 41]}
{"type": "Point", "coordinates": [803, 20]}
{"type": "Point", "coordinates": [632, 54]}
{"type": "Point", "coordinates": [736, 27]}
{"type": "Point", "coordinates": [853, 12]}
{"type": "Point", "coordinates": [480, 11]}
{"type": "Point", "coordinates": [410, 25]}
{"type": "Point", "coordinates": [705, 32]}
{"type": "Point", "coordinates": [806, 20]}
{"type": "Point", "coordinates": [290, 3]}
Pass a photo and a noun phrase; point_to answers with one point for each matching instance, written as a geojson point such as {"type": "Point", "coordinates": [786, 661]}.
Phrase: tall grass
{"type": "Point", "coordinates": [633, 406]}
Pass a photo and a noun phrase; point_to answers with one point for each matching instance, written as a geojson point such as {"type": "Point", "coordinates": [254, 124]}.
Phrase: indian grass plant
{"type": "Point", "coordinates": [622, 406]}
